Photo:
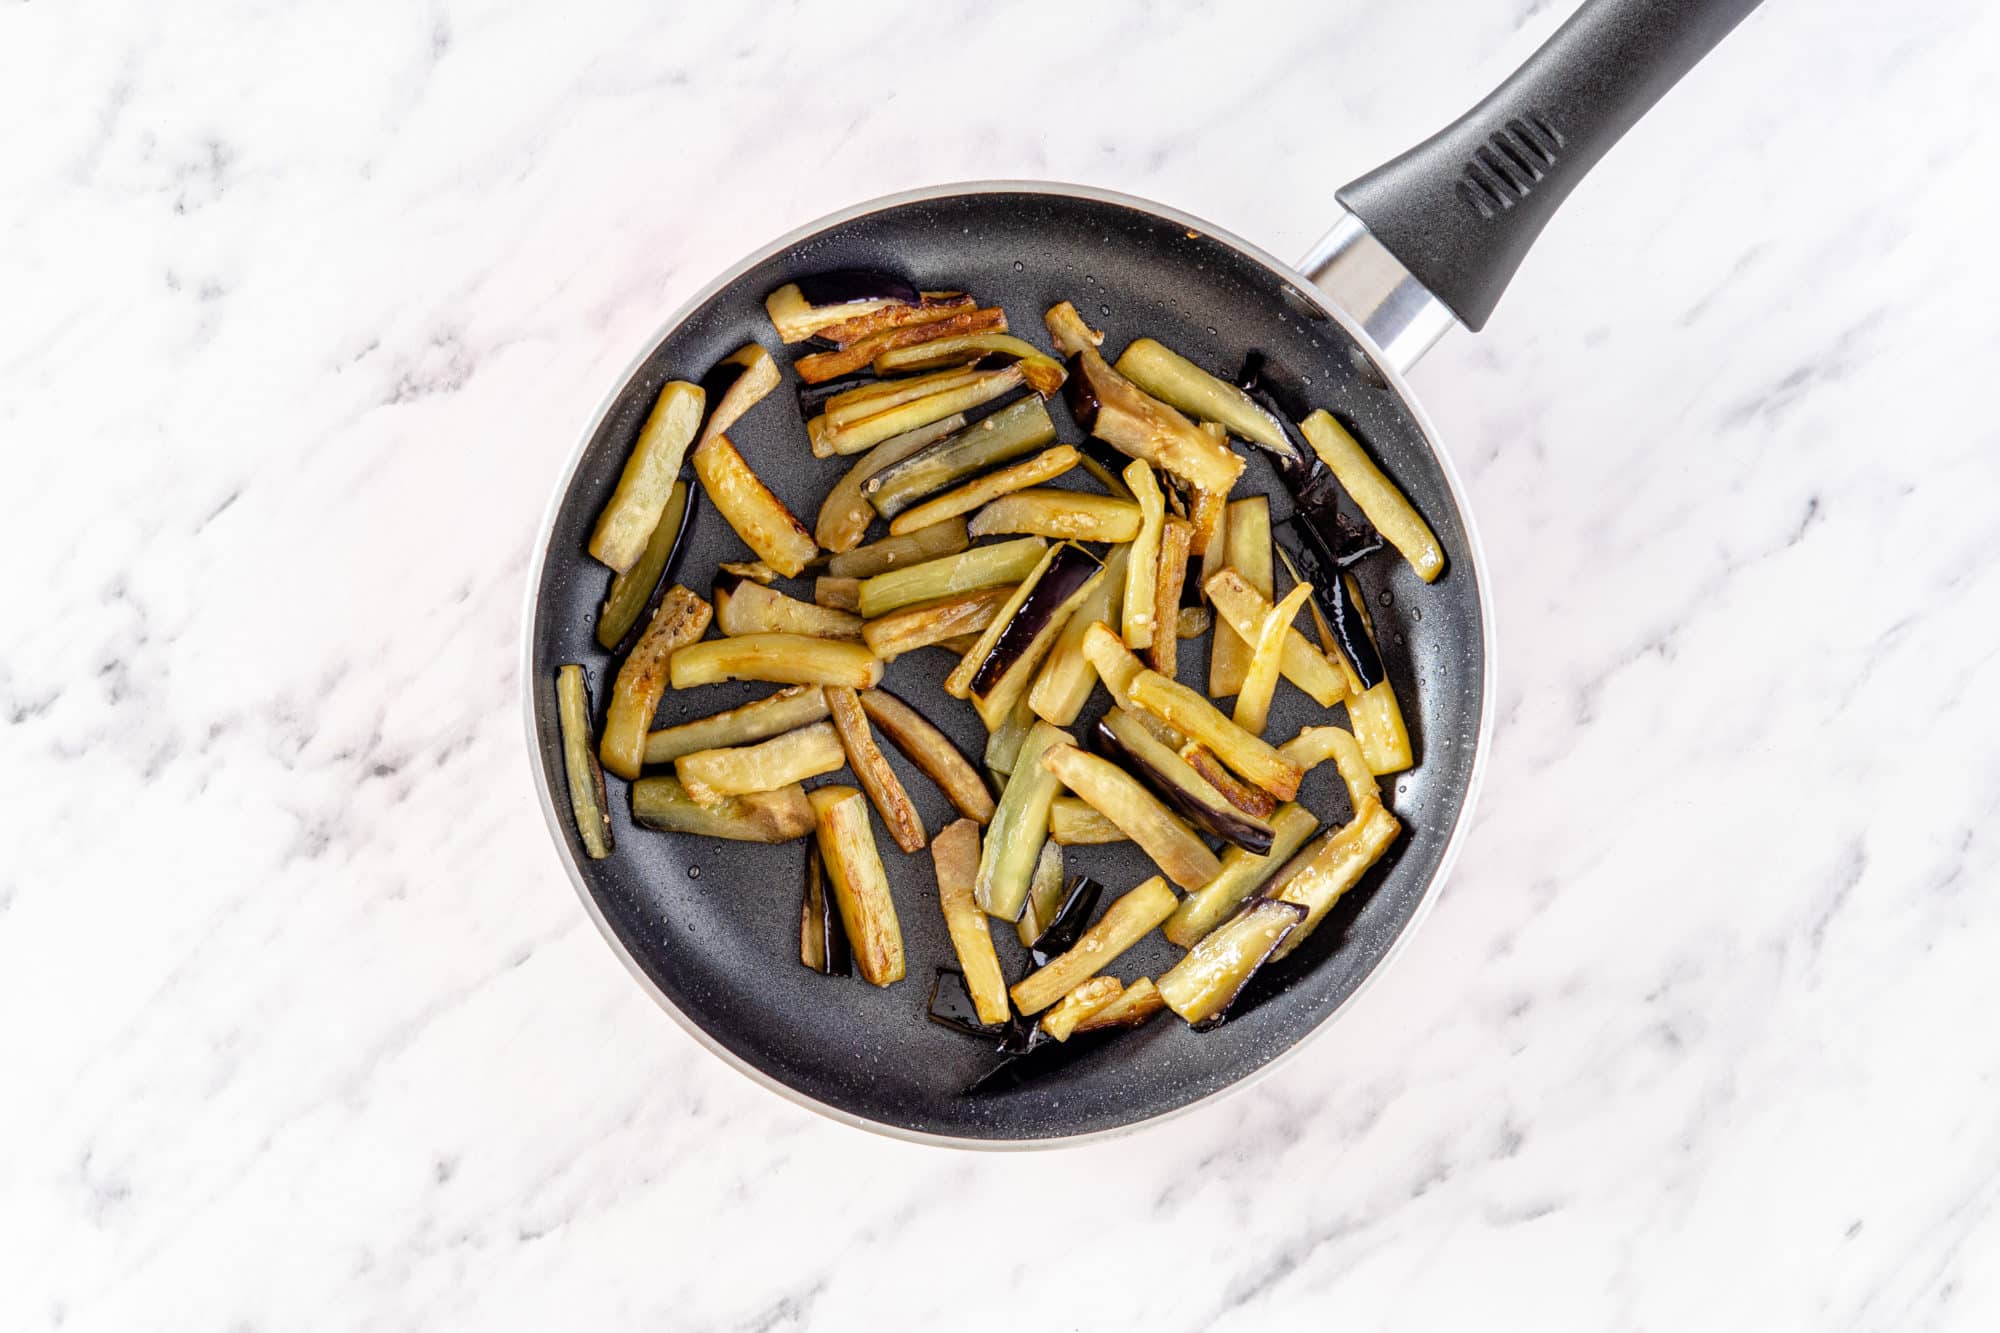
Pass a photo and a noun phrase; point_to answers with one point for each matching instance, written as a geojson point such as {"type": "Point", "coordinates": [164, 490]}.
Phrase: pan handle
{"type": "Point", "coordinates": [1447, 223]}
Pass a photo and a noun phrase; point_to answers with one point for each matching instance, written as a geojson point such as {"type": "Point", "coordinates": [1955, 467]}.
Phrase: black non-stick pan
{"type": "Point", "coordinates": [711, 928]}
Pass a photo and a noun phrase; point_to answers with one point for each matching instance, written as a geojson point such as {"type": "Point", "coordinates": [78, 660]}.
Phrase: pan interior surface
{"type": "Point", "coordinates": [715, 925]}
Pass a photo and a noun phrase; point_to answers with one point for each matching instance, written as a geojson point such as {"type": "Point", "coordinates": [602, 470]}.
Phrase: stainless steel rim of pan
{"type": "Point", "coordinates": [552, 811]}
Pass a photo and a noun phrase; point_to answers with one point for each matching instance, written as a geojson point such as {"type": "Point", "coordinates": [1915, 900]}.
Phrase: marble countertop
{"type": "Point", "coordinates": [301, 1025]}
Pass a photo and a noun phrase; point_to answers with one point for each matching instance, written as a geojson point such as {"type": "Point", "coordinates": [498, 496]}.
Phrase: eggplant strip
{"type": "Point", "coordinates": [1002, 680]}
{"type": "Point", "coordinates": [587, 801]}
{"type": "Point", "coordinates": [959, 683]}
{"type": "Point", "coordinates": [982, 387]}
{"type": "Point", "coordinates": [1068, 676]}
{"type": "Point", "coordinates": [1375, 495]}
{"type": "Point", "coordinates": [1216, 556]}
{"type": "Point", "coordinates": [837, 594]}
{"type": "Point", "coordinates": [1073, 515]}
{"type": "Point", "coordinates": [951, 575]}
{"type": "Point", "coordinates": [628, 518]}
{"type": "Point", "coordinates": [822, 366]}
{"type": "Point", "coordinates": [1379, 727]}
{"type": "Point", "coordinates": [749, 507]}
{"type": "Point", "coordinates": [1137, 1003]}
{"type": "Point", "coordinates": [1191, 622]}
{"type": "Point", "coordinates": [1045, 466]}
{"type": "Point", "coordinates": [1123, 925]}
{"type": "Point", "coordinates": [1013, 432]}
{"type": "Point", "coordinates": [1074, 822]}
{"type": "Point", "coordinates": [1319, 876]}
{"type": "Point", "coordinates": [1118, 412]}
{"type": "Point", "coordinates": [736, 384]}
{"type": "Point", "coordinates": [1198, 719]}
{"type": "Point", "coordinates": [961, 349]}
{"type": "Point", "coordinates": [754, 570]}
{"type": "Point", "coordinates": [1243, 873]}
{"type": "Point", "coordinates": [860, 886]}
{"type": "Point", "coordinates": [940, 620]}
{"type": "Point", "coordinates": [765, 816]}
{"type": "Point", "coordinates": [787, 710]}
{"type": "Point", "coordinates": [642, 680]}
{"type": "Point", "coordinates": [783, 761]}
{"type": "Point", "coordinates": [786, 659]}
{"type": "Point", "coordinates": [1245, 610]}
{"type": "Point", "coordinates": [1003, 743]}
{"type": "Point", "coordinates": [843, 295]}
{"type": "Point", "coordinates": [955, 858]}
{"type": "Point", "coordinates": [1205, 512]}
{"type": "Point", "coordinates": [1250, 800]}
{"type": "Point", "coordinates": [1122, 738]}
{"type": "Point", "coordinates": [931, 751]}
{"type": "Point", "coordinates": [1181, 856]}
{"type": "Point", "coordinates": [1019, 827]}
{"type": "Point", "coordinates": [1142, 572]}
{"type": "Point", "coordinates": [633, 595]}
{"type": "Point", "coordinates": [1081, 1004]}
{"type": "Point", "coordinates": [1176, 540]}
{"type": "Point", "coordinates": [935, 306]}
{"type": "Point", "coordinates": [1313, 746]}
{"type": "Point", "coordinates": [1205, 983]}
{"type": "Point", "coordinates": [1267, 654]}
{"type": "Point", "coordinates": [1179, 382]}
{"type": "Point", "coordinates": [743, 607]}
{"type": "Point", "coordinates": [845, 409]}
{"type": "Point", "coordinates": [1045, 893]}
{"type": "Point", "coordinates": [879, 780]}
{"type": "Point", "coordinates": [822, 940]}
{"type": "Point", "coordinates": [844, 515]}
{"type": "Point", "coordinates": [1247, 534]}
{"type": "Point", "coordinates": [865, 562]}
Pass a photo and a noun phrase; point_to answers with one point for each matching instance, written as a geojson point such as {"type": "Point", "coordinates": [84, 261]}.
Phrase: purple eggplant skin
{"type": "Point", "coordinates": [1323, 571]}
{"type": "Point", "coordinates": [826, 919]}
{"type": "Point", "coordinates": [1217, 818]}
{"type": "Point", "coordinates": [812, 397]}
{"type": "Point", "coordinates": [1045, 1058]}
{"type": "Point", "coordinates": [1069, 570]}
{"type": "Point", "coordinates": [844, 286]}
{"type": "Point", "coordinates": [1066, 927]}
{"type": "Point", "coordinates": [720, 376]}
{"type": "Point", "coordinates": [950, 1006]}
{"type": "Point", "coordinates": [1254, 904]}
{"type": "Point", "coordinates": [1082, 400]}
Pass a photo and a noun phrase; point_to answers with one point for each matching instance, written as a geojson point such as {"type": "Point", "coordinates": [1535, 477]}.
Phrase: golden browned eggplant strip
{"type": "Point", "coordinates": [1199, 720]}
{"type": "Point", "coordinates": [955, 857]}
{"type": "Point", "coordinates": [744, 607]}
{"type": "Point", "coordinates": [787, 659]}
{"type": "Point", "coordinates": [1176, 538]}
{"type": "Point", "coordinates": [1378, 725]}
{"type": "Point", "coordinates": [844, 515]}
{"type": "Point", "coordinates": [837, 594]}
{"type": "Point", "coordinates": [1242, 874]}
{"type": "Point", "coordinates": [586, 779]}
{"type": "Point", "coordinates": [1202, 986]}
{"type": "Point", "coordinates": [912, 627]}
{"type": "Point", "coordinates": [1244, 609]}
{"type": "Point", "coordinates": [1139, 1002]}
{"type": "Point", "coordinates": [1247, 538]}
{"type": "Point", "coordinates": [1142, 572]}
{"type": "Point", "coordinates": [948, 575]}
{"type": "Point", "coordinates": [627, 521]}
{"type": "Point", "coordinates": [844, 409]}
{"type": "Point", "coordinates": [1250, 800]}
{"type": "Point", "coordinates": [764, 816]}
{"type": "Point", "coordinates": [1267, 655]}
{"type": "Point", "coordinates": [1045, 466]}
{"type": "Point", "coordinates": [879, 780]}
{"type": "Point", "coordinates": [959, 683]}
{"type": "Point", "coordinates": [964, 393]}
{"type": "Point", "coordinates": [932, 751]}
{"type": "Point", "coordinates": [710, 775]}
{"type": "Point", "coordinates": [1205, 512]}
{"type": "Point", "coordinates": [865, 562]}
{"type": "Point", "coordinates": [1172, 378]}
{"type": "Point", "coordinates": [1075, 515]}
{"type": "Point", "coordinates": [860, 885]}
{"type": "Point", "coordinates": [934, 307]}
{"type": "Point", "coordinates": [787, 710]}
{"type": "Point", "coordinates": [1375, 495]}
{"type": "Point", "coordinates": [822, 366]}
{"type": "Point", "coordinates": [1175, 848]}
{"type": "Point", "coordinates": [1074, 822]}
{"type": "Point", "coordinates": [1080, 1004]}
{"type": "Point", "coordinates": [748, 506]}
{"type": "Point", "coordinates": [997, 696]}
{"type": "Point", "coordinates": [1313, 746]}
{"type": "Point", "coordinates": [754, 570]}
{"type": "Point", "coordinates": [642, 680]}
{"type": "Point", "coordinates": [1319, 876]}
{"type": "Point", "coordinates": [1123, 925]}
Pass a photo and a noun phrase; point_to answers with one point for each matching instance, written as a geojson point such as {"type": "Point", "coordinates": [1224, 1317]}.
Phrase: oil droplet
{"type": "Point", "coordinates": [1019, 266]}
{"type": "Point", "coordinates": [1104, 310]}
{"type": "Point", "coordinates": [1416, 614]}
{"type": "Point", "coordinates": [1211, 330]}
{"type": "Point", "coordinates": [694, 872]}
{"type": "Point", "coordinates": [1388, 598]}
{"type": "Point", "coordinates": [1090, 279]}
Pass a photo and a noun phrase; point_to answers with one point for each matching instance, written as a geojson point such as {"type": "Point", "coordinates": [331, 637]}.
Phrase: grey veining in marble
{"type": "Point", "coordinates": [301, 1025]}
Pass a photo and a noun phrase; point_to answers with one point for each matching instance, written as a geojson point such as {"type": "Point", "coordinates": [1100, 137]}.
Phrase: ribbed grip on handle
{"type": "Point", "coordinates": [1461, 209]}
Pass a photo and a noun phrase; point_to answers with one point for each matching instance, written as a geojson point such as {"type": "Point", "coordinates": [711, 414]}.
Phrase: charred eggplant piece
{"type": "Point", "coordinates": [822, 939]}
{"type": "Point", "coordinates": [909, 628]}
{"type": "Point", "coordinates": [1045, 894]}
{"type": "Point", "coordinates": [1002, 679]}
{"type": "Point", "coordinates": [786, 659]}
{"type": "Point", "coordinates": [933, 307]}
{"type": "Point", "coordinates": [748, 506]}
{"type": "Point", "coordinates": [1202, 986]}
{"type": "Point", "coordinates": [787, 710]}
{"type": "Point", "coordinates": [1375, 495]}
{"type": "Point", "coordinates": [709, 776]}
{"type": "Point", "coordinates": [1008, 434]}
{"type": "Point", "coordinates": [626, 524]}
{"type": "Point", "coordinates": [765, 816]}
{"type": "Point", "coordinates": [1174, 847]}
{"type": "Point", "coordinates": [871, 768]}
{"type": "Point", "coordinates": [1067, 676]}
{"type": "Point", "coordinates": [955, 858]}
{"type": "Point", "coordinates": [859, 352]}
{"type": "Point", "coordinates": [1253, 801]}
{"type": "Point", "coordinates": [1067, 924]}
{"type": "Point", "coordinates": [743, 607]}
{"type": "Point", "coordinates": [642, 680]}
{"type": "Point", "coordinates": [962, 571]}
{"type": "Point", "coordinates": [1243, 873]}
{"type": "Point", "coordinates": [860, 886]}
{"type": "Point", "coordinates": [586, 780]}
{"type": "Point", "coordinates": [864, 562]}
{"type": "Point", "coordinates": [931, 751]}
{"type": "Point", "coordinates": [844, 516]}
{"type": "Point", "coordinates": [1020, 825]}
{"type": "Point", "coordinates": [1123, 740]}
{"type": "Point", "coordinates": [636, 594]}
{"type": "Point", "coordinates": [1123, 925]}
{"type": "Point", "coordinates": [1031, 471]}
{"type": "Point", "coordinates": [1317, 878]}
{"type": "Point", "coordinates": [736, 384]}
{"type": "Point", "coordinates": [1330, 589]}
{"type": "Point", "coordinates": [1074, 822]}
{"type": "Point", "coordinates": [1245, 610]}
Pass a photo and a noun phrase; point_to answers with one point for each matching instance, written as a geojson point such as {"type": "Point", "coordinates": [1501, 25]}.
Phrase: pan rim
{"type": "Point", "coordinates": [1303, 287]}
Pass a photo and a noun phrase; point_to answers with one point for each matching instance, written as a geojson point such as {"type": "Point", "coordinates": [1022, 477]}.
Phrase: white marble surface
{"type": "Point", "coordinates": [301, 1025]}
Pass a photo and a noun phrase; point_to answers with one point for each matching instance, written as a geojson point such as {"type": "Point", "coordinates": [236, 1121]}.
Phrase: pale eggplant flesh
{"type": "Point", "coordinates": [1068, 571]}
{"type": "Point", "coordinates": [1210, 811]}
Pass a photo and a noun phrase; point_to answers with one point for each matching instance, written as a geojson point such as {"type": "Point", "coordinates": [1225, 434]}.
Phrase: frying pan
{"type": "Point", "coordinates": [1429, 240]}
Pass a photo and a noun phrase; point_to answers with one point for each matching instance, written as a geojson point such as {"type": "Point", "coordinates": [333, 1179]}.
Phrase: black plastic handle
{"type": "Point", "coordinates": [1461, 208]}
